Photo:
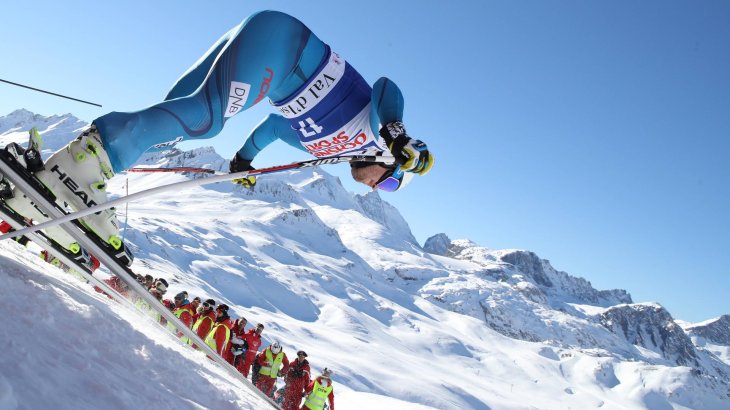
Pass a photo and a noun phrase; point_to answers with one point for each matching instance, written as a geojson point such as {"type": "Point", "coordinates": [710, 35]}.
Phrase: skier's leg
{"type": "Point", "coordinates": [195, 75]}
{"type": "Point", "coordinates": [270, 53]}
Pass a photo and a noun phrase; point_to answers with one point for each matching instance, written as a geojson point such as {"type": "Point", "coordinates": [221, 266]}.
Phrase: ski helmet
{"type": "Point", "coordinates": [275, 347]}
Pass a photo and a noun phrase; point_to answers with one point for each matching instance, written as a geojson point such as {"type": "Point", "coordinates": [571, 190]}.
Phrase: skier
{"type": "Point", "coordinates": [297, 380]}
{"type": "Point", "coordinates": [319, 391]}
{"type": "Point", "coordinates": [326, 108]}
{"type": "Point", "coordinates": [271, 360]}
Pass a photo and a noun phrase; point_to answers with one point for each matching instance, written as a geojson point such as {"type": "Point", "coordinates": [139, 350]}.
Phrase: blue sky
{"type": "Point", "coordinates": [592, 133]}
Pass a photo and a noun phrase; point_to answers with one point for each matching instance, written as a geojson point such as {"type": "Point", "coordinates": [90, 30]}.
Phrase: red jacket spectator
{"type": "Point", "coordinates": [271, 361]}
{"type": "Point", "coordinates": [116, 284]}
{"type": "Point", "coordinates": [297, 379]}
{"type": "Point", "coordinates": [205, 320]}
{"type": "Point", "coordinates": [195, 305]}
{"type": "Point", "coordinates": [220, 334]}
{"type": "Point", "coordinates": [184, 312]}
{"type": "Point", "coordinates": [319, 389]}
{"type": "Point", "coordinates": [238, 335]}
{"type": "Point", "coordinates": [253, 340]}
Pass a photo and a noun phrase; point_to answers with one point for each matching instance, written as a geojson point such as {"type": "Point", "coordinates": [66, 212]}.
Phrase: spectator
{"type": "Point", "coordinates": [195, 305]}
{"type": "Point", "coordinates": [115, 283]}
{"type": "Point", "coordinates": [297, 379]}
{"type": "Point", "coordinates": [318, 391]}
{"type": "Point", "coordinates": [169, 304]}
{"type": "Point", "coordinates": [206, 319]}
{"type": "Point", "coordinates": [143, 306]}
{"type": "Point", "coordinates": [255, 369]}
{"type": "Point", "coordinates": [271, 360]}
{"type": "Point", "coordinates": [238, 342]}
{"type": "Point", "coordinates": [220, 334]}
{"type": "Point", "coordinates": [253, 341]}
{"type": "Point", "coordinates": [184, 312]}
{"type": "Point", "coordinates": [149, 281]}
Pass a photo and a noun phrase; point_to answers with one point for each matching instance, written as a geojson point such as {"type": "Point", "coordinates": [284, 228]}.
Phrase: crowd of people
{"type": "Point", "coordinates": [240, 347]}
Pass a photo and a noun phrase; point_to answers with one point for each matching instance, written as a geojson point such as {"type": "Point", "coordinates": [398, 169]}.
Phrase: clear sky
{"type": "Point", "coordinates": [593, 133]}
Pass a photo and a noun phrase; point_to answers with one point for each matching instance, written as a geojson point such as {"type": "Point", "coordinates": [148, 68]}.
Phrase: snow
{"type": "Point", "coordinates": [64, 346]}
{"type": "Point", "coordinates": [341, 277]}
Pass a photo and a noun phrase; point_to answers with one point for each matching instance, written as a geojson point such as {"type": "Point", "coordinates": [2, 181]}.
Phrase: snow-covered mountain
{"type": "Point", "coordinates": [55, 129]}
{"type": "Point", "coordinates": [448, 325]}
{"type": "Point", "coordinates": [712, 335]}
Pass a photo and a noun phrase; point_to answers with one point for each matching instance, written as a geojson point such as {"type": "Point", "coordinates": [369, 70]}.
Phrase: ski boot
{"type": "Point", "coordinates": [76, 175]}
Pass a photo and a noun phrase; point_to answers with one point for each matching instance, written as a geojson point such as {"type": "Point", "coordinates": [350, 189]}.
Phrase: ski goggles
{"type": "Point", "coordinates": [391, 180]}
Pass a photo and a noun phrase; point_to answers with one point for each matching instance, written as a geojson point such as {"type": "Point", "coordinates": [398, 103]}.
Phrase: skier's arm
{"type": "Point", "coordinates": [387, 116]}
{"type": "Point", "coordinates": [386, 103]}
{"type": "Point", "coordinates": [332, 399]}
{"type": "Point", "coordinates": [273, 127]}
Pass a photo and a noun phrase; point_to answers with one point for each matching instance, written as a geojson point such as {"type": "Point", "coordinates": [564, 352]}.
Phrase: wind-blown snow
{"type": "Point", "coordinates": [342, 277]}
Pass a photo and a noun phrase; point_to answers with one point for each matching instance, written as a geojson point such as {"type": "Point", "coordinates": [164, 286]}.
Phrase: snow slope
{"type": "Point", "coordinates": [342, 277]}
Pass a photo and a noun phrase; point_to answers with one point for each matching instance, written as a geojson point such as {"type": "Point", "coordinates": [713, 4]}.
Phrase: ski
{"type": "Point", "coordinates": [178, 186]}
{"type": "Point", "coordinates": [78, 263]}
{"type": "Point", "coordinates": [81, 261]}
{"type": "Point", "coordinates": [13, 172]}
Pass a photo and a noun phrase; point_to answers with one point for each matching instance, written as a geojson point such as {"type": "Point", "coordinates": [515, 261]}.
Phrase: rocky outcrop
{"type": "Point", "coordinates": [652, 327]}
{"type": "Point", "coordinates": [716, 331]}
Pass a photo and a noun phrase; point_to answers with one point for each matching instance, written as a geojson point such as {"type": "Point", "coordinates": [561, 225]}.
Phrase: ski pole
{"type": "Point", "coordinates": [178, 186]}
{"type": "Point", "coordinates": [174, 169]}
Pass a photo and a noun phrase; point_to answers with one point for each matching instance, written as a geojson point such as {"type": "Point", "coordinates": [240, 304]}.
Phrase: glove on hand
{"type": "Point", "coordinates": [411, 154]}
{"type": "Point", "coordinates": [239, 164]}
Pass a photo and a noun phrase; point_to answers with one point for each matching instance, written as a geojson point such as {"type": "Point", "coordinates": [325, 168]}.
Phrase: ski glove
{"type": "Point", "coordinates": [411, 154]}
{"type": "Point", "coordinates": [239, 164]}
